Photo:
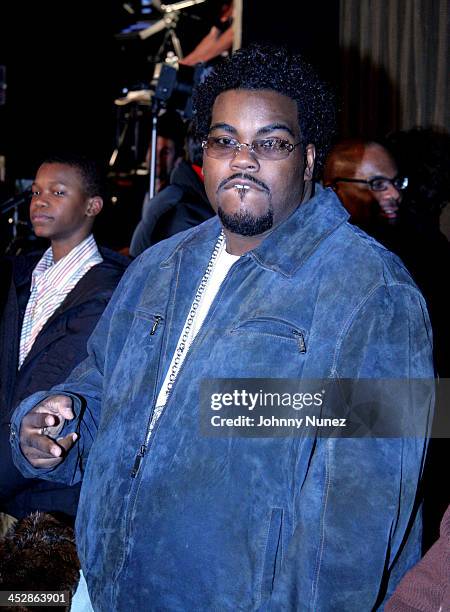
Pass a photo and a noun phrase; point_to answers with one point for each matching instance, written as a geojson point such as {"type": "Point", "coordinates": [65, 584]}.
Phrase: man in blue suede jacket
{"type": "Point", "coordinates": [278, 286]}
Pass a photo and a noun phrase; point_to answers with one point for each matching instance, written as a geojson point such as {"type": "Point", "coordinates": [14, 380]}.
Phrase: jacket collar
{"type": "Point", "coordinates": [287, 248]}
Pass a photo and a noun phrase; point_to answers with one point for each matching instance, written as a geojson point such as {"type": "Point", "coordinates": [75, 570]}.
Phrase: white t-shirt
{"type": "Point", "coordinates": [221, 267]}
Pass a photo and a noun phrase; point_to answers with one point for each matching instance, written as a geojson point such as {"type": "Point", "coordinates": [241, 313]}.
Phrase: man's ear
{"type": "Point", "coordinates": [310, 156]}
{"type": "Point", "coordinates": [94, 206]}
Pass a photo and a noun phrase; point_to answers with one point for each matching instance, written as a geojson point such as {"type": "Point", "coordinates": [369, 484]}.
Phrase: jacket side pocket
{"type": "Point", "coordinates": [273, 556]}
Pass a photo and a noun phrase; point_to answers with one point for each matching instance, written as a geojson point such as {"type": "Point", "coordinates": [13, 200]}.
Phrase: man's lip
{"type": "Point", "coordinates": [390, 210]}
{"type": "Point", "coordinates": [40, 217]}
{"type": "Point", "coordinates": [232, 184]}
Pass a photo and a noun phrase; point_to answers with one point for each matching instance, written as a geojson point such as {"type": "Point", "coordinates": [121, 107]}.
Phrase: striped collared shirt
{"type": "Point", "coordinates": [51, 282]}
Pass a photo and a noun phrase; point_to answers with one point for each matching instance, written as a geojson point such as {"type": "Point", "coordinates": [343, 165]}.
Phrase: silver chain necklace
{"type": "Point", "coordinates": [191, 316]}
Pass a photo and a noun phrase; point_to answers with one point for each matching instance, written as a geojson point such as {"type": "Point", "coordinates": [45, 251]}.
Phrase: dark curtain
{"type": "Point", "coordinates": [394, 65]}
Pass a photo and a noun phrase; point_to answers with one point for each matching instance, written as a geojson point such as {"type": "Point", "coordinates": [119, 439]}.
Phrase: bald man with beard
{"type": "Point", "coordinates": [364, 176]}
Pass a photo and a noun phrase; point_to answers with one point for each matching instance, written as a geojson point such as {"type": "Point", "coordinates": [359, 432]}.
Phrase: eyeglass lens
{"type": "Point", "coordinates": [381, 184]}
{"type": "Point", "coordinates": [268, 148]}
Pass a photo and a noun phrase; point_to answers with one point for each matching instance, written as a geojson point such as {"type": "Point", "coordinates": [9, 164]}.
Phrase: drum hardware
{"type": "Point", "coordinates": [166, 83]}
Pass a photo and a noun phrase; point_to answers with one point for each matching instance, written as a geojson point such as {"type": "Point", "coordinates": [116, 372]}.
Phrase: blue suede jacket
{"type": "Point", "coordinates": [235, 523]}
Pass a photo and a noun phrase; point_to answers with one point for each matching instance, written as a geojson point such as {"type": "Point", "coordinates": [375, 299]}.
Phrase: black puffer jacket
{"type": "Point", "coordinates": [59, 347]}
{"type": "Point", "coordinates": [179, 206]}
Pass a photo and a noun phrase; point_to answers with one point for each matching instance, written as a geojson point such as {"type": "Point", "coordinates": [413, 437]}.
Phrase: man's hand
{"type": "Point", "coordinates": [40, 428]}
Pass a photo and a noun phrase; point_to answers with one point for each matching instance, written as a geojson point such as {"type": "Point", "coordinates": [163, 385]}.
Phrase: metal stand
{"type": "Point", "coordinates": [171, 14]}
{"type": "Point", "coordinates": [15, 201]}
{"type": "Point", "coordinates": [151, 191]}
{"type": "Point", "coordinates": [171, 48]}
{"type": "Point", "coordinates": [120, 141]}
{"type": "Point", "coordinates": [14, 221]}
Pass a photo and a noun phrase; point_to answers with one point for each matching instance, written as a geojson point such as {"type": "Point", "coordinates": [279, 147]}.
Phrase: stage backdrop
{"type": "Point", "coordinates": [389, 60]}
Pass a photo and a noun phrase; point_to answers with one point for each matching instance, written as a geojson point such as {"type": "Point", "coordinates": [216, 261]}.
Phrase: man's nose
{"type": "Point", "coordinates": [392, 193]}
{"type": "Point", "coordinates": [39, 200]}
{"type": "Point", "coordinates": [244, 159]}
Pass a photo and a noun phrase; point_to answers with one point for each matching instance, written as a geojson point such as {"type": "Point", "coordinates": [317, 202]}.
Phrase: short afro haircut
{"type": "Point", "coordinates": [273, 68]}
{"type": "Point", "coordinates": [93, 176]}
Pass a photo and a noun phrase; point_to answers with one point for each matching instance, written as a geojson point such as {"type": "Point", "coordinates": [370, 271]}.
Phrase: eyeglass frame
{"type": "Point", "coordinates": [375, 178]}
{"type": "Point", "coordinates": [250, 146]}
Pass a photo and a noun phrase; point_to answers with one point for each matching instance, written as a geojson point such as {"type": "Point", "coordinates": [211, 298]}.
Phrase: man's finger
{"type": "Point", "coordinates": [42, 443]}
{"type": "Point", "coordinates": [45, 463]}
{"type": "Point", "coordinates": [67, 442]}
{"type": "Point", "coordinates": [36, 453]}
{"type": "Point", "coordinates": [49, 447]}
{"type": "Point", "coordinates": [38, 420]}
{"type": "Point", "coordinates": [45, 452]}
{"type": "Point", "coordinates": [60, 405]}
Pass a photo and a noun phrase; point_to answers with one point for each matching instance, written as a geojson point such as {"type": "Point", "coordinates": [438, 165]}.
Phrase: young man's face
{"type": "Point", "coordinates": [254, 195]}
{"type": "Point", "coordinates": [60, 210]}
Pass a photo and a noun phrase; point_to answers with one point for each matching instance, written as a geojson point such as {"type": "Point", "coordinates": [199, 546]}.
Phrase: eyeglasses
{"type": "Point", "coordinates": [377, 183]}
{"type": "Point", "coordinates": [222, 147]}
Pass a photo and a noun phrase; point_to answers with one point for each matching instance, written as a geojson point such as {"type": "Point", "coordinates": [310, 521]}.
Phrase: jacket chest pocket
{"type": "Point", "coordinates": [145, 332]}
{"type": "Point", "coordinates": [270, 347]}
{"type": "Point", "coordinates": [136, 365]}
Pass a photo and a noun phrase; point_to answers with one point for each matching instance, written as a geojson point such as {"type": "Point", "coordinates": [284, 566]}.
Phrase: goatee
{"type": "Point", "coordinates": [245, 224]}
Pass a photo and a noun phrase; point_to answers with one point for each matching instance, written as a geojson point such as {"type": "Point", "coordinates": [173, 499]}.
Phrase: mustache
{"type": "Point", "coordinates": [247, 177]}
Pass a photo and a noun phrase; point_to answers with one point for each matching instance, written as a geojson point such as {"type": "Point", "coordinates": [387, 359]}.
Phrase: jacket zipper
{"type": "Point", "coordinates": [134, 471]}
{"type": "Point", "coordinates": [155, 325]}
{"type": "Point", "coordinates": [143, 447]}
{"type": "Point", "coordinates": [300, 340]}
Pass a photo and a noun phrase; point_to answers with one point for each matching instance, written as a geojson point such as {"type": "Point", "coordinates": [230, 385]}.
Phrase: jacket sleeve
{"type": "Point", "coordinates": [179, 218]}
{"type": "Point", "coordinates": [358, 529]}
{"type": "Point", "coordinates": [143, 236]}
{"type": "Point", "coordinates": [84, 385]}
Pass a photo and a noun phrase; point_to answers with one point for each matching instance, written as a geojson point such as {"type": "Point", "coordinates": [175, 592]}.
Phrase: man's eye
{"type": "Point", "coordinates": [269, 143]}
{"type": "Point", "coordinates": [35, 193]}
{"type": "Point", "coordinates": [378, 184]}
{"type": "Point", "coordinates": [225, 142]}
{"type": "Point", "coordinates": [59, 193]}
{"type": "Point", "coordinates": [272, 144]}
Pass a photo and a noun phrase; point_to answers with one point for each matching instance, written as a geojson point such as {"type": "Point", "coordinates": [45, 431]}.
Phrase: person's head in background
{"type": "Point", "coordinates": [193, 148]}
{"type": "Point", "coordinates": [365, 177]}
{"type": "Point", "coordinates": [224, 10]}
{"type": "Point", "coordinates": [67, 195]}
{"type": "Point", "coordinates": [423, 155]}
{"type": "Point", "coordinates": [171, 133]}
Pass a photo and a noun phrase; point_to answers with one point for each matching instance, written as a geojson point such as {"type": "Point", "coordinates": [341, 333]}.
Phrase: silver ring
{"type": "Point", "coordinates": [43, 431]}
